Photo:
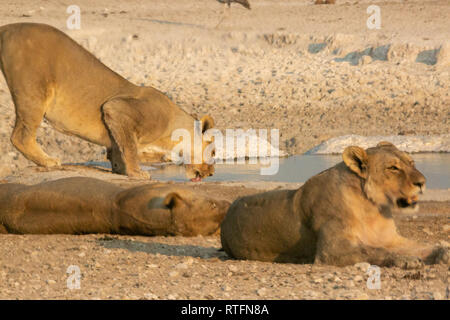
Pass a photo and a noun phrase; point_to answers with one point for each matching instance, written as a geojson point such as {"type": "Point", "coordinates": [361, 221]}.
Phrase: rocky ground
{"type": "Point", "coordinates": [134, 267]}
{"type": "Point", "coordinates": [314, 72]}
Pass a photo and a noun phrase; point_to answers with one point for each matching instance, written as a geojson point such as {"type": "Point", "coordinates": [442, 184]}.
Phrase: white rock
{"type": "Point", "coordinates": [437, 143]}
{"type": "Point", "coordinates": [261, 292]}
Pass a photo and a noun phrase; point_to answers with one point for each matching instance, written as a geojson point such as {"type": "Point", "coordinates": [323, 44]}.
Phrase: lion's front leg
{"type": "Point", "coordinates": [343, 248]}
{"type": "Point", "coordinates": [121, 120]}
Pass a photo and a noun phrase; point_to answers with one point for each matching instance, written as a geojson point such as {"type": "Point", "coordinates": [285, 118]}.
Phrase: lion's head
{"type": "Point", "coordinates": [193, 214]}
{"type": "Point", "coordinates": [164, 209]}
{"type": "Point", "coordinates": [197, 171]}
{"type": "Point", "coordinates": [389, 175]}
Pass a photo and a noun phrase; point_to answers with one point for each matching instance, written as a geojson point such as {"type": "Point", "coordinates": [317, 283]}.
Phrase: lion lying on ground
{"type": "Point", "coordinates": [339, 217]}
{"type": "Point", "coordinates": [87, 205]}
{"type": "Point", "coordinates": [50, 76]}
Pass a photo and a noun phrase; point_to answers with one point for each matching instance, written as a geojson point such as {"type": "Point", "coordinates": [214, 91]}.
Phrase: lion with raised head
{"type": "Point", "coordinates": [86, 205]}
{"type": "Point", "coordinates": [51, 76]}
{"type": "Point", "coordinates": [340, 216]}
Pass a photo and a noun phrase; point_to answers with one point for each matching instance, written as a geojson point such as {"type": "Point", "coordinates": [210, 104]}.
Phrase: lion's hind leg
{"type": "Point", "coordinates": [30, 110]}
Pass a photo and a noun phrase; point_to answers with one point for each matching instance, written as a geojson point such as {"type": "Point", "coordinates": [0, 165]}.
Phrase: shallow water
{"type": "Point", "coordinates": [299, 168]}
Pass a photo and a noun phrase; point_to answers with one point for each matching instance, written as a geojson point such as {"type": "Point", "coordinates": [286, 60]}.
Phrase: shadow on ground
{"type": "Point", "coordinates": [162, 248]}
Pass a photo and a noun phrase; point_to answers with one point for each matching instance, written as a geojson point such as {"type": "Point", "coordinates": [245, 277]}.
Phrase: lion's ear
{"type": "Point", "coordinates": [173, 200]}
{"type": "Point", "coordinates": [207, 123]}
{"type": "Point", "coordinates": [385, 144]}
{"type": "Point", "coordinates": [356, 160]}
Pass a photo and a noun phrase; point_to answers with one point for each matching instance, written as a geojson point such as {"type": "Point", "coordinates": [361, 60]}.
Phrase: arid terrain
{"type": "Point", "coordinates": [313, 71]}
{"type": "Point", "coordinates": [135, 267]}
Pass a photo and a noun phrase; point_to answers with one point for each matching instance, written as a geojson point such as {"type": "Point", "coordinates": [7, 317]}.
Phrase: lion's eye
{"type": "Point", "coordinates": [394, 168]}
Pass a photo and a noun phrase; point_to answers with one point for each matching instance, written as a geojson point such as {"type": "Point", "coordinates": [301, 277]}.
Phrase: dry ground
{"type": "Point", "coordinates": [284, 64]}
{"type": "Point", "coordinates": [133, 267]}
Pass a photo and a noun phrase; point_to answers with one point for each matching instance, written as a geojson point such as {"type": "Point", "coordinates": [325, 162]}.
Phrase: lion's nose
{"type": "Point", "coordinates": [420, 182]}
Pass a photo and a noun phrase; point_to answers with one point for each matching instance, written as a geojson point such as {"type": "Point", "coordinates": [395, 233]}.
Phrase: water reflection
{"type": "Point", "coordinates": [299, 168]}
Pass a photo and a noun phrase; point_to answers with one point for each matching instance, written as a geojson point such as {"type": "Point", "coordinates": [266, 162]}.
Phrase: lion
{"type": "Point", "coordinates": [51, 76]}
{"type": "Point", "coordinates": [80, 205]}
{"type": "Point", "coordinates": [340, 216]}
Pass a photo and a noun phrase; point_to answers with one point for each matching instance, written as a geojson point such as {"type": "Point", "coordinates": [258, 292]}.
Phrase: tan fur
{"type": "Point", "coordinates": [340, 216]}
{"type": "Point", "coordinates": [87, 205]}
{"type": "Point", "coordinates": [50, 76]}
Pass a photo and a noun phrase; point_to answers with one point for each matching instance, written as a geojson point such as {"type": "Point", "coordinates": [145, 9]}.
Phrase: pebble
{"type": "Point", "coordinates": [173, 274]}
{"type": "Point", "coordinates": [261, 292]}
{"type": "Point", "coordinates": [226, 288]}
{"type": "Point", "coordinates": [437, 295]}
{"type": "Point", "coordinates": [232, 268]}
{"type": "Point", "coordinates": [362, 266]}
{"type": "Point", "coordinates": [150, 296]}
{"type": "Point", "coordinates": [358, 278]}
{"type": "Point", "coordinates": [444, 243]}
{"type": "Point", "coordinates": [317, 280]}
{"type": "Point", "coordinates": [181, 266]}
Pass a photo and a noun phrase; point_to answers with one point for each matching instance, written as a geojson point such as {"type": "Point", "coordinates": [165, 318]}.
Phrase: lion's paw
{"type": "Point", "coordinates": [52, 162]}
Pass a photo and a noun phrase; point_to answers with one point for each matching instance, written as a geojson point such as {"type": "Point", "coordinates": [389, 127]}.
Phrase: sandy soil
{"type": "Point", "coordinates": [133, 267]}
{"type": "Point", "coordinates": [276, 66]}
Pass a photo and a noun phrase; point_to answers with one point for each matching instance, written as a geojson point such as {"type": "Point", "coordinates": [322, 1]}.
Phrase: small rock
{"type": "Point", "coordinates": [317, 280]}
{"type": "Point", "coordinates": [173, 274]}
{"type": "Point", "coordinates": [365, 60]}
{"type": "Point", "coordinates": [444, 243]}
{"type": "Point", "coordinates": [427, 231]}
{"type": "Point", "coordinates": [362, 266]}
{"type": "Point", "coordinates": [226, 288]}
{"type": "Point", "coordinates": [437, 295]}
{"type": "Point", "coordinates": [232, 268]}
{"type": "Point", "coordinates": [362, 296]}
{"type": "Point", "coordinates": [358, 278]}
{"type": "Point", "coordinates": [172, 296]}
{"type": "Point", "coordinates": [150, 296]}
{"type": "Point", "coordinates": [261, 292]}
{"type": "Point", "coordinates": [181, 266]}
{"type": "Point", "coordinates": [51, 281]}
